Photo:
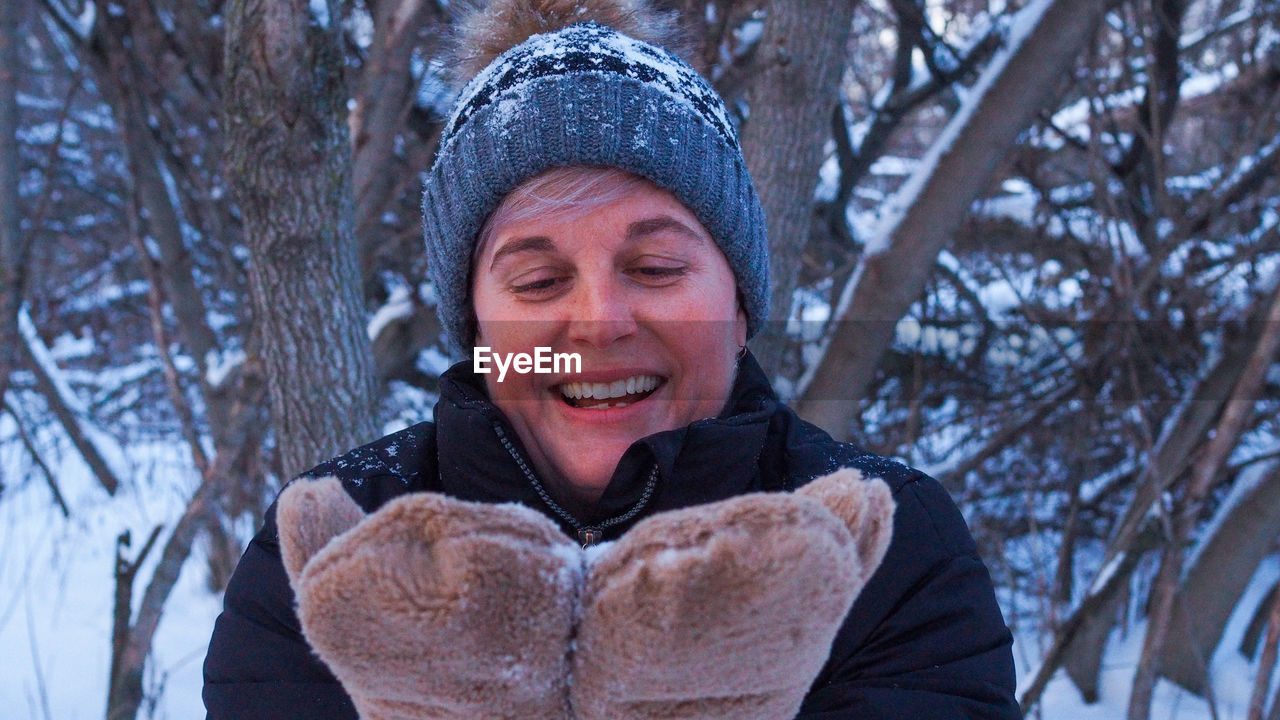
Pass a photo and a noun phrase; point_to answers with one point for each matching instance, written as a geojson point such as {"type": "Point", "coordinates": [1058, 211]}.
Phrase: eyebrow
{"type": "Point", "coordinates": [650, 226]}
{"type": "Point", "coordinates": [635, 231]}
{"type": "Point", "coordinates": [536, 243]}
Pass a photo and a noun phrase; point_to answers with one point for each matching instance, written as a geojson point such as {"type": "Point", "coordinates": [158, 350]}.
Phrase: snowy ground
{"type": "Point", "coordinates": [56, 590]}
{"type": "Point", "coordinates": [1232, 674]}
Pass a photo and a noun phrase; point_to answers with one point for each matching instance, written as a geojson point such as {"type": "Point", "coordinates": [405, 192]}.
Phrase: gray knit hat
{"type": "Point", "coordinates": [588, 95]}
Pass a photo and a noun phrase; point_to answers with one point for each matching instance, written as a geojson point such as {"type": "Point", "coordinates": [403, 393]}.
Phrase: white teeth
{"type": "Point", "coordinates": [604, 391]}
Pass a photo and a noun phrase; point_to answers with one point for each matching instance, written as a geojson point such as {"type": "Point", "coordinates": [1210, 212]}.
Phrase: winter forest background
{"type": "Point", "coordinates": [1030, 246]}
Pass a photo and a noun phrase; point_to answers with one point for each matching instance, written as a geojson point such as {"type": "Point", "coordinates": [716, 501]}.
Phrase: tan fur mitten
{"type": "Point", "coordinates": [432, 607]}
{"type": "Point", "coordinates": [726, 611]}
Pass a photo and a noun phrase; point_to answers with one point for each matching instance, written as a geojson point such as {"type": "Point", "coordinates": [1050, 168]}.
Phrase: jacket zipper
{"type": "Point", "coordinates": [588, 535]}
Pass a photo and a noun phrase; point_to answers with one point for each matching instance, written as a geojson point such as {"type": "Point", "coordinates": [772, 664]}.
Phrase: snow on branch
{"type": "Point", "coordinates": [399, 306]}
{"type": "Point", "coordinates": [917, 221]}
{"type": "Point", "coordinates": [80, 25]}
{"type": "Point", "coordinates": [1242, 491]}
{"type": "Point", "coordinates": [101, 452]}
{"type": "Point", "coordinates": [897, 206]}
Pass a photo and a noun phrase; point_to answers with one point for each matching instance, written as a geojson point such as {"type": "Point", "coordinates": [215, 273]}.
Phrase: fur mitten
{"type": "Point", "coordinates": [727, 611]}
{"type": "Point", "coordinates": [433, 607]}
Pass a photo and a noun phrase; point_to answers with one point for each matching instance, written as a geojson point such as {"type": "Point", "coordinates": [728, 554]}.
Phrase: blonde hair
{"type": "Point", "coordinates": [560, 193]}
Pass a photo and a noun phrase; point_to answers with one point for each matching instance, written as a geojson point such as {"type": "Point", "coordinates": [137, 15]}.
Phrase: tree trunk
{"type": "Point", "coordinates": [1084, 655]}
{"type": "Point", "coordinates": [112, 52]}
{"type": "Point", "coordinates": [1159, 626]}
{"type": "Point", "coordinates": [1267, 664]}
{"type": "Point", "coordinates": [1235, 414]}
{"type": "Point", "coordinates": [798, 63]}
{"type": "Point", "coordinates": [131, 639]}
{"type": "Point", "coordinates": [1064, 575]}
{"type": "Point", "coordinates": [921, 217]}
{"type": "Point", "coordinates": [11, 242]}
{"type": "Point", "coordinates": [1107, 592]}
{"type": "Point", "coordinates": [289, 165]}
{"type": "Point", "coordinates": [1184, 431]}
{"type": "Point", "coordinates": [385, 95]}
{"type": "Point", "coordinates": [124, 682]}
{"type": "Point", "coordinates": [1243, 533]}
{"type": "Point", "coordinates": [113, 58]}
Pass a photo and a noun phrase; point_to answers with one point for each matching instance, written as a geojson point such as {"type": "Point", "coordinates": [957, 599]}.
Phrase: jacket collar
{"type": "Point", "coordinates": [704, 461]}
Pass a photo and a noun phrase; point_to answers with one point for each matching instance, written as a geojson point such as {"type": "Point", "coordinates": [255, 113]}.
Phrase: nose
{"type": "Point", "coordinates": [601, 313]}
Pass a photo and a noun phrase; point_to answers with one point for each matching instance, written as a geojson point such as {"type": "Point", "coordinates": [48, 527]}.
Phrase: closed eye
{"type": "Point", "coordinates": [660, 272]}
{"type": "Point", "coordinates": [536, 287]}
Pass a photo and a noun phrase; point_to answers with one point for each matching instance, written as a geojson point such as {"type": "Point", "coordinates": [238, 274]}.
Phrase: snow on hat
{"type": "Point", "coordinates": [584, 94]}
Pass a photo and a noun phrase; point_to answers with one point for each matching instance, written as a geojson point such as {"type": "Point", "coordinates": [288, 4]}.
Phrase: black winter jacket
{"type": "Point", "coordinates": [924, 640]}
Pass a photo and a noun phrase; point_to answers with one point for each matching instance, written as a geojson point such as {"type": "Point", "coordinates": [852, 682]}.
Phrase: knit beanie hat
{"type": "Point", "coordinates": [585, 94]}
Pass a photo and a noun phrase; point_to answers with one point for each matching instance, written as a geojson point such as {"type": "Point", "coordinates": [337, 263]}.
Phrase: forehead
{"type": "Point", "coordinates": [644, 211]}
{"type": "Point", "coordinates": [563, 193]}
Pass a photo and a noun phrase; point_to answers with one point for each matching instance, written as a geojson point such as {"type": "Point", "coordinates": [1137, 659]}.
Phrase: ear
{"type": "Point", "coordinates": [865, 506]}
{"type": "Point", "coordinates": [309, 514]}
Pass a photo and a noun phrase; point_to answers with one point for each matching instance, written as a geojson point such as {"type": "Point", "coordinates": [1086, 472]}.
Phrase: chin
{"type": "Point", "coordinates": [591, 477]}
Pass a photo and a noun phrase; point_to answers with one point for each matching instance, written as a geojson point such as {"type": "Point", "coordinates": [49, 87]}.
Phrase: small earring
{"type": "Point", "coordinates": [742, 352]}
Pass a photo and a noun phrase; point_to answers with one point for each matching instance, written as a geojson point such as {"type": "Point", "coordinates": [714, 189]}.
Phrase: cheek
{"type": "Point", "coordinates": [494, 317]}
{"type": "Point", "coordinates": [721, 305]}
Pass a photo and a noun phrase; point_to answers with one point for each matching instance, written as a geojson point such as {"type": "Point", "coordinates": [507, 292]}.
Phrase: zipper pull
{"type": "Point", "coordinates": [589, 536]}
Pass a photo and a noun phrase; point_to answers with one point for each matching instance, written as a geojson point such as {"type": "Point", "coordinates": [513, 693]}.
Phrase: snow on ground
{"type": "Point", "coordinates": [1232, 674]}
{"type": "Point", "coordinates": [57, 588]}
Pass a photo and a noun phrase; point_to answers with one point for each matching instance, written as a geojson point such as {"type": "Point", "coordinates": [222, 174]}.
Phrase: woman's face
{"type": "Point", "coordinates": [638, 289]}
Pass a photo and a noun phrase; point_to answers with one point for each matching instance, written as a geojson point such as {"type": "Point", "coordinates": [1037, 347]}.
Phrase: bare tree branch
{"type": "Point", "coordinates": [383, 100]}
{"type": "Point", "coordinates": [1163, 466]}
{"type": "Point", "coordinates": [39, 461]}
{"type": "Point", "coordinates": [798, 63]}
{"type": "Point", "coordinates": [926, 211]}
{"type": "Point", "coordinates": [1267, 665]}
{"type": "Point", "coordinates": [115, 71]}
{"type": "Point", "coordinates": [124, 696]}
{"type": "Point", "coordinates": [12, 245]}
{"type": "Point", "coordinates": [1098, 600]}
{"type": "Point", "coordinates": [63, 405]}
{"type": "Point", "coordinates": [1242, 533]}
{"type": "Point", "coordinates": [161, 338]}
{"type": "Point", "coordinates": [1238, 409]}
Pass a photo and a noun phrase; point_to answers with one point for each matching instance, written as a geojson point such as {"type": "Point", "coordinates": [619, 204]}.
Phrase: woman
{"type": "Point", "coordinates": [590, 197]}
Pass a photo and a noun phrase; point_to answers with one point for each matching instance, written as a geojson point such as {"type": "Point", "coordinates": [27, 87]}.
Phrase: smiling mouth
{"type": "Point", "coordinates": [617, 394]}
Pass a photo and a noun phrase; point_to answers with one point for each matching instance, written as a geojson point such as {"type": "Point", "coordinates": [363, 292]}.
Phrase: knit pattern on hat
{"type": "Point", "coordinates": [587, 95]}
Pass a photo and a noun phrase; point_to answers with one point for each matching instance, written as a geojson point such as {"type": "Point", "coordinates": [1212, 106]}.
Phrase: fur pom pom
{"type": "Point", "coordinates": [488, 29]}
